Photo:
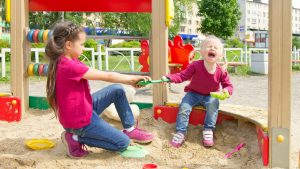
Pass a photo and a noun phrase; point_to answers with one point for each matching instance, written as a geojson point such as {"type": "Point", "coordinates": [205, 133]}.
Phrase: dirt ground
{"type": "Point", "coordinates": [249, 91]}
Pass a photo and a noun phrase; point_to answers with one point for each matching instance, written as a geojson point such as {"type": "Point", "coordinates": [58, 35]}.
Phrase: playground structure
{"type": "Point", "coordinates": [179, 55]}
{"type": "Point", "coordinates": [280, 67]}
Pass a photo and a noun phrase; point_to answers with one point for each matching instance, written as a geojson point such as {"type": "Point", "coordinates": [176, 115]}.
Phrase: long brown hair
{"type": "Point", "coordinates": [61, 33]}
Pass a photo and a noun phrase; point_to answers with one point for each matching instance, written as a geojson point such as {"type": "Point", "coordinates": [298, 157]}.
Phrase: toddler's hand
{"type": "Point", "coordinates": [220, 95]}
{"type": "Point", "coordinates": [165, 79]}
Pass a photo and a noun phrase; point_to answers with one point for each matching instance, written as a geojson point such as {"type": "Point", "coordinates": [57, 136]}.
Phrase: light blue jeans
{"type": "Point", "coordinates": [191, 100]}
{"type": "Point", "coordinates": [101, 134]}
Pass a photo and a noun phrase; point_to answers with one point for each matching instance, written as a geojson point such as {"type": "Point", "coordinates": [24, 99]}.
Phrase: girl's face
{"type": "Point", "coordinates": [75, 49]}
{"type": "Point", "coordinates": [212, 51]}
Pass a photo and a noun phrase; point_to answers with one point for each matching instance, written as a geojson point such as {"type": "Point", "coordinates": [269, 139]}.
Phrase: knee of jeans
{"type": "Point", "coordinates": [123, 144]}
{"type": "Point", "coordinates": [184, 110]}
{"type": "Point", "coordinates": [119, 89]}
{"type": "Point", "coordinates": [212, 104]}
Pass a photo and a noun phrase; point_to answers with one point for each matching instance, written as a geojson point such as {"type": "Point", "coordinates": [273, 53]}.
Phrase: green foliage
{"type": "Point", "coordinates": [296, 67]}
{"type": "Point", "coordinates": [139, 24]}
{"type": "Point", "coordinates": [127, 44]}
{"type": "Point", "coordinates": [296, 42]}
{"type": "Point", "coordinates": [234, 43]}
{"type": "Point", "coordinates": [41, 54]}
{"type": "Point", "coordinates": [90, 43]}
{"type": "Point", "coordinates": [220, 18]}
{"type": "Point", "coordinates": [45, 20]}
{"type": "Point", "coordinates": [4, 44]}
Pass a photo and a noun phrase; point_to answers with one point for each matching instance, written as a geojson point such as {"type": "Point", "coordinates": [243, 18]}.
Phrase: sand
{"type": "Point", "coordinates": [249, 91]}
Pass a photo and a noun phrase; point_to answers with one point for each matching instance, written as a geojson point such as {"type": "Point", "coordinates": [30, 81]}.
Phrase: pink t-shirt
{"type": "Point", "coordinates": [202, 82]}
{"type": "Point", "coordinates": [73, 94]}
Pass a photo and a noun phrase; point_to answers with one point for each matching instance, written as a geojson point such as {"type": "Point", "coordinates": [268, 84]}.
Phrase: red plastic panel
{"type": "Point", "coordinates": [181, 53]}
{"type": "Point", "coordinates": [91, 5]}
{"type": "Point", "coordinates": [263, 143]}
{"type": "Point", "coordinates": [10, 109]}
{"type": "Point", "coordinates": [169, 115]}
{"type": "Point", "coordinates": [144, 56]}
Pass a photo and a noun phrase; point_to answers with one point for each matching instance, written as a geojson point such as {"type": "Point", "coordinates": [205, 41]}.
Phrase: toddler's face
{"type": "Point", "coordinates": [212, 51]}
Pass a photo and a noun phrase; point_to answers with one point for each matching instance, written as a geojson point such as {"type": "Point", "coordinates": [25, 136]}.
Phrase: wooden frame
{"type": "Point", "coordinates": [279, 78]}
{"type": "Point", "coordinates": [280, 40]}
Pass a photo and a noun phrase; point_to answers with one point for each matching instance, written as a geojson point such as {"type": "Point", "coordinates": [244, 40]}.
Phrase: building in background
{"type": "Point", "coordinates": [190, 24]}
{"type": "Point", "coordinates": [253, 26]}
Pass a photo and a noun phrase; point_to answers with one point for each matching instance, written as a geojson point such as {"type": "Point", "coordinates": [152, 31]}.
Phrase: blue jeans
{"type": "Point", "coordinates": [191, 100]}
{"type": "Point", "coordinates": [101, 134]}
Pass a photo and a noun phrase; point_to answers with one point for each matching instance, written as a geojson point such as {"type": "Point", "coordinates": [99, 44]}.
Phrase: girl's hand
{"type": "Point", "coordinates": [140, 78]}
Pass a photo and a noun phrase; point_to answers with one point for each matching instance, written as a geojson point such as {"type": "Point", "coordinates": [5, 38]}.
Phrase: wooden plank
{"type": "Point", "coordinates": [280, 77]}
{"type": "Point", "coordinates": [255, 115]}
{"type": "Point", "coordinates": [91, 5]}
{"type": "Point", "coordinates": [159, 51]}
{"type": "Point", "coordinates": [20, 51]}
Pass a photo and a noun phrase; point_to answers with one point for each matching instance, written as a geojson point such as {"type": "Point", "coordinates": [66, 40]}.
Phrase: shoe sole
{"type": "Point", "coordinates": [207, 145]}
{"type": "Point", "coordinates": [176, 146]}
{"type": "Point", "coordinates": [64, 141]}
{"type": "Point", "coordinates": [142, 142]}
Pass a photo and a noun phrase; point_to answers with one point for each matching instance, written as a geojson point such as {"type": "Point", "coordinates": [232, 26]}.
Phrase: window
{"type": "Point", "coordinates": [190, 22]}
{"type": "Point", "coordinates": [253, 21]}
{"type": "Point", "coordinates": [190, 31]}
{"type": "Point", "coordinates": [182, 29]}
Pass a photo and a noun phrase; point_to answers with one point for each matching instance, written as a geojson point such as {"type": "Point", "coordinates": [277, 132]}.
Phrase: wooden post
{"type": "Point", "coordinates": [159, 50]}
{"type": "Point", "coordinates": [280, 30]}
{"type": "Point", "coordinates": [20, 51]}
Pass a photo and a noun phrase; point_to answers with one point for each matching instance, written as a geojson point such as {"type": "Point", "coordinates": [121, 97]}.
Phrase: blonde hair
{"type": "Point", "coordinates": [212, 38]}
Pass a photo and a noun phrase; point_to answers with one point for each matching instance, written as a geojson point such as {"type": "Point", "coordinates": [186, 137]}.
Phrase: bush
{"type": "Point", "coordinates": [41, 54]}
{"type": "Point", "coordinates": [90, 43]}
{"type": "Point", "coordinates": [127, 44]}
{"type": "Point", "coordinates": [234, 43]}
{"type": "Point", "coordinates": [5, 44]}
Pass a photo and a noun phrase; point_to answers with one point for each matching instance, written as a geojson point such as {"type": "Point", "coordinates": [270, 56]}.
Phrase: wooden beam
{"type": "Point", "coordinates": [91, 5]}
{"type": "Point", "coordinates": [20, 51]}
{"type": "Point", "coordinates": [280, 29]}
{"type": "Point", "coordinates": [159, 50]}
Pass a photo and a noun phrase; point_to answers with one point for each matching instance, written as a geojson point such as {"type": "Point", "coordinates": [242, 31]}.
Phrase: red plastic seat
{"type": "Point", "coordinates": [10, 109]}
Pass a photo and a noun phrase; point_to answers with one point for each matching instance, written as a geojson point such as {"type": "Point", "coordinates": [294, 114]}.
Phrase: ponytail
{"type": "Point", "coordinates": [62, 32]}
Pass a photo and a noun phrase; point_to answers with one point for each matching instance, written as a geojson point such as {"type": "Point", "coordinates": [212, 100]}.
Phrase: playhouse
{"type": "Point", "coordinates": [275, 137]}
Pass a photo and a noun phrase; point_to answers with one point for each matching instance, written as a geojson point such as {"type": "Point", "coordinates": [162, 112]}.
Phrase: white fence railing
{"type": "Point", "coordinates": [107, 53]}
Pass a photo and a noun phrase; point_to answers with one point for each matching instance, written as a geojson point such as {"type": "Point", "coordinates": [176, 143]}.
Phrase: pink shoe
{"type": "Point", "coordinates": [177, 140]}
{"type": "Point", "coordinates": [208, 138]}
{"type": "Point", "coordinates": [139, 135]}
{"type": "Point", "coordinates": [74, 148]}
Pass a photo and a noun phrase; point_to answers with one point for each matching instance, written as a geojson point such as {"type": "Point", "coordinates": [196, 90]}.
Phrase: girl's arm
{"type": "Point", "coordinates": [113, 77]}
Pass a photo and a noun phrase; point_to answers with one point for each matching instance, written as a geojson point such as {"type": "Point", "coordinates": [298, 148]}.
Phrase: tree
{"type": "Point", "coordinates": [296, 42]}
{"type": "Point", "coordinates": [140, 23]}
{"type": "Point", "coordinates": [44, 20]}
{"type": "Point", "coordinates": [219, 18]}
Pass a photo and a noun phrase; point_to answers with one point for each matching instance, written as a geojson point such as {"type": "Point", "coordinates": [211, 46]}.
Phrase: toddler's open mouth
{"type": "Point", "coordinates": [211, 54]}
